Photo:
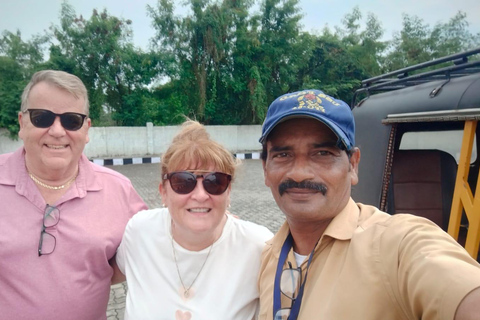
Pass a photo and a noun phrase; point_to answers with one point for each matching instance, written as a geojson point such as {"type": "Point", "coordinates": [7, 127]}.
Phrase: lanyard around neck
{"type": "Point", "coordinates": [277, 295]}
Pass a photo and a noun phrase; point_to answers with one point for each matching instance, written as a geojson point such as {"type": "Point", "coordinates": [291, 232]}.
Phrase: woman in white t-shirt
{"type": "Point", "coordinates": [191, 260]}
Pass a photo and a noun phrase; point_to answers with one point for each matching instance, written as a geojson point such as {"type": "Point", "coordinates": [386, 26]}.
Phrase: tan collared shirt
{"type": "Point", "coordinates": [371, 265]}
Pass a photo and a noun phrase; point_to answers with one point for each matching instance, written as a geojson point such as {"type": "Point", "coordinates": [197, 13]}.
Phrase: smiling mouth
{"type": "Point", "coordinates": [51, 146]}
{"type": "Point", "coordinates": [199, 210]}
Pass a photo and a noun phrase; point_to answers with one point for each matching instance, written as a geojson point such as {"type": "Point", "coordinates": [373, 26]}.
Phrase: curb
{"type": "Point", "coordinates": [142, 160]}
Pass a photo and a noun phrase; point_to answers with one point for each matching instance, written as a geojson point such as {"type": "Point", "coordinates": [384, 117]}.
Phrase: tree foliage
{"type": "Point", "coordinates": [417, 42]}
{"type": "Point", "coordinates": [222, 63]}
{"type": "Point", "coordinates": [99, 50]}
{"type": "Point", "coordinates": [18, 60]}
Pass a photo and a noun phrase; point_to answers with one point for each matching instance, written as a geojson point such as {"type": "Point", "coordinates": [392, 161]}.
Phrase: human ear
{"type": "Point", "coordinates": [354, 161]}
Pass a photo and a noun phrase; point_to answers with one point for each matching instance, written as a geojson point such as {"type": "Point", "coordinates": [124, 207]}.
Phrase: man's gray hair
{"type": "Point", "coordinates": [60, 79]}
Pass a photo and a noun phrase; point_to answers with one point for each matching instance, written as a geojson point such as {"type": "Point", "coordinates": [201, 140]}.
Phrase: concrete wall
{"type": "Point", "coordinates": [125, 142]}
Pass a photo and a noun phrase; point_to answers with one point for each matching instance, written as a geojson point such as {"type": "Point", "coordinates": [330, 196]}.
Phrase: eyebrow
{"type": "Point", "coordinates": [326, 144]}
{"type": "Point", "coordinates": [279, 149]}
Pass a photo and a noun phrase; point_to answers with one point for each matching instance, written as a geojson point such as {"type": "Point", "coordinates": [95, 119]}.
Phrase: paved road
{"type": "Point", "coordinates": [250, 199]}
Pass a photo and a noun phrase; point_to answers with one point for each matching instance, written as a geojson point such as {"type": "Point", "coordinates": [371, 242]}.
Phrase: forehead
{"type": "Point", "coordinates": [303, 129]}
{"type": "Point", "coordinates": [193, 166]}
{"type": "Point", "coordinates": [48, 96]}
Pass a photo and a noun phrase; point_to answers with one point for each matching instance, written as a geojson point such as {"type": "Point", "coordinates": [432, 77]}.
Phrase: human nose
{"type": "Point", "coordinates": [300, 170]}
{"type": "Point", "coordinates": [199, 193]}
{"type": "Point", "coordinates": [56, 129]}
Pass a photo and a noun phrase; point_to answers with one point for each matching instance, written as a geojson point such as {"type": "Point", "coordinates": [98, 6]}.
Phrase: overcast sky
{"type": "Point", "coordinates": [34, 16]}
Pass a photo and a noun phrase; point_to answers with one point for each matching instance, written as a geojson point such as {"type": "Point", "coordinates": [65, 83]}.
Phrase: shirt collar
{"type": "Point", "coordinates": [342, 227]}
{"type": "Point", "coordinates": [13, 172]}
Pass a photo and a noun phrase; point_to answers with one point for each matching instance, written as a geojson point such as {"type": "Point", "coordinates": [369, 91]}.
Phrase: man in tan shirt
{"type": "Point", "coordinates": [337, 259]}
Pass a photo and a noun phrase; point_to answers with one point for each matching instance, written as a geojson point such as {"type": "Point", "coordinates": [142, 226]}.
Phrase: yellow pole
{"type": "Point", "coordinates": [463, 199]}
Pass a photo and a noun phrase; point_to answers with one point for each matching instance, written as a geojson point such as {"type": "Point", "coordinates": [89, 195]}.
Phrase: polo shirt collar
{"type": "Point", "coordinates": [13, 172]}
{"type": "Point", "coordinates": [342, 227]}
{"type": "Point", "coordinates": [87, 180]}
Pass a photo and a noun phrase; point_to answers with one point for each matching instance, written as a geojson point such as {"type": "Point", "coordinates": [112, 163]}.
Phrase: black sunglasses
{"type": "Point", "coordinates": [42, 118]}
{"type": "Point", "coordinates": [184, 182]}
{"type": "Point", "coordinates": [290, 282]}
{"type": "Point", "coordinates": [47, 242]}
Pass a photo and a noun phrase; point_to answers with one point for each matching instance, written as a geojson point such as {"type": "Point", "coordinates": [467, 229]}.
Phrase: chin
{"type": "Point", "coordinates": [57, 163]}
{"type": "Point", "coordinates": [200, 229]}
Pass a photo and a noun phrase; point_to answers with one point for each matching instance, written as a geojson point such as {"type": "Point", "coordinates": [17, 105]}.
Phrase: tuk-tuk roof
{"type": "Point", "coordinates": [450, 93]}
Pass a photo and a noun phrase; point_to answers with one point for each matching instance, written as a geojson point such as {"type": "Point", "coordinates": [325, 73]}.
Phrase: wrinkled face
{"type": "Point", "coordinates": [54, 148]}
{"type": "Point", "coordinates": [197, 211]}
{"type": "Point", "coordinates": [310, 178]}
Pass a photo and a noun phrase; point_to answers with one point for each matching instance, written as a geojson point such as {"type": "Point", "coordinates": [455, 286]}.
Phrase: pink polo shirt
{"type": "Point", "coordinates": [74, 281]}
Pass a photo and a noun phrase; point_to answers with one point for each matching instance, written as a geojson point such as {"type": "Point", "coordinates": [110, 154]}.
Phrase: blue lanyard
{"type": "Point", "coordinates": [277, 303]}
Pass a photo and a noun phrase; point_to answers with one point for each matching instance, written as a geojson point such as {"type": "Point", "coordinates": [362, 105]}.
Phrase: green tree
{"type": "Point", "coordinates": [417, 42]}
{"type": "Point", "coordinates": [281, 48]}
{"type": "Point", "coordinates": [453, 36]}
{"type": "Point", "coordinates": [340, 60]}
{"type": "Point", "coordinates": [27, 54]}
{"type": "Point", "coordinates": [18, 61]}
{"type": "Point", "coordinates": [211, 48]}
{"type": "Point", "coordinates": [11, 86]}
{"type": "Point", "coordinates": [100, 51]}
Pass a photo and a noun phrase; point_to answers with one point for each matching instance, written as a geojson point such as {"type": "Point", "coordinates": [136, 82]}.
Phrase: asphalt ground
{"type": "Point", "coordinates": [250, 200]}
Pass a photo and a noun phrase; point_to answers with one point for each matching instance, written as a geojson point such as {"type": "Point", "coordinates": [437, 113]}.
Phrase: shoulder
{"type": "Point", "coordinates": [402, 235]}
{"type": "Point", "coordinates": [146, 226]}
{"type": "Point", "coordinates": [401, 223]}
{"type": "Point", "coordinates": [408, 238]}
{"type": "Point", "coordinates": [146, 217]}
{"type": "Point", "coordinates": [97, 177]}
{"type": "Point", "coordinates": [12, 159]}
{"type": "Point", "coordinates": [107, 173]}
{"type": "Point", "coordinates": [6, 165]}
{"type": "Point", "coordinates": [251, 231]}
{"type": "Point", "coordinates": [4, 157]}
{"type": "Point", "coordinates": [10, 165]}
{"type": "Point", "coordinates": [414, 231]}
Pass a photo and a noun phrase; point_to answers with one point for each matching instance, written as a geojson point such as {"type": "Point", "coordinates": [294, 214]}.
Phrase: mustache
{"type": "Point", "coordinates": [290, 184]}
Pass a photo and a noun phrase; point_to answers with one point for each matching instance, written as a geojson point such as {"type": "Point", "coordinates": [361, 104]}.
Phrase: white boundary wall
{"type": "Point", "coordinates": [126, 142]}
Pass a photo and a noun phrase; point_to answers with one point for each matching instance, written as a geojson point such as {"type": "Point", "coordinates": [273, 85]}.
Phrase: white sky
{"type": "Point", "coordinates": [35, 16]}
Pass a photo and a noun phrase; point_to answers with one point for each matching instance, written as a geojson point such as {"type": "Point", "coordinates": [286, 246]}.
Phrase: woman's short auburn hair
{"type": "Point", "coordinates": [192, 148]}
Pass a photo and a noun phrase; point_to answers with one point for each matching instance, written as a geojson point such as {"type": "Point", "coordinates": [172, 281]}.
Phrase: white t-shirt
{"type": "Point", "coordinates": [226, 288]}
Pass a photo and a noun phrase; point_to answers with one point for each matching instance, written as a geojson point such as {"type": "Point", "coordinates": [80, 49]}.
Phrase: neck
{"type": "Point", "coordinates": [305, 236]}
{"type": "Point", "coordinates": [196, 241]}
{"type": "Point", "coordinates": [52, 187]}
{"type": "Point", "coordinates": [53, 178]}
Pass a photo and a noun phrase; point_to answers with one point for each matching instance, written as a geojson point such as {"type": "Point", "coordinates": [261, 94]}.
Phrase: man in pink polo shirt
{"type": "Point", "coordinates": [62, 217]}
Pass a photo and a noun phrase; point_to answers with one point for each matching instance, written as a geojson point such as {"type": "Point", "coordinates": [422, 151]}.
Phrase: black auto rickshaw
{"type": "Point", "coordinates": [418, 134]}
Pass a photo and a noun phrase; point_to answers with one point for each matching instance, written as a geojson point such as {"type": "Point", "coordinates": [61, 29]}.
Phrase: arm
{"type": "Point", "coordinates": [469, 308]}
{"type": "Point", "coordinates": [134, 204]}
{"type": "Point", "coordinates": [117, 276]}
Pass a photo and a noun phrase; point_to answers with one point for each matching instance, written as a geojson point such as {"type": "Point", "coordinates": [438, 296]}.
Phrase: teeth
{"type": "Point", "coordinates": [199, 210]}
{"type": "Point", "coordinates": [55, 147]}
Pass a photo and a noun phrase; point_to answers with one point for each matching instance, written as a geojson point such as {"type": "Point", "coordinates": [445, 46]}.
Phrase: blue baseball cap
{"type": "Point", "coordinates": [315, 104]}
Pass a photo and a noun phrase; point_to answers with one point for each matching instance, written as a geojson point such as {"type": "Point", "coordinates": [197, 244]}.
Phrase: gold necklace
{"type": "Point", "coordinates": [52, 187]}
{"type": "Point", "coordinates": [185, 289]}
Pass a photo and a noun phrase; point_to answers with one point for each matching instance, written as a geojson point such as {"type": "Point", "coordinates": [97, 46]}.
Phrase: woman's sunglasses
{"type": "Point", "coordinates": [42, 118]}
{"type": "Point", "coordinates": [184, 182]}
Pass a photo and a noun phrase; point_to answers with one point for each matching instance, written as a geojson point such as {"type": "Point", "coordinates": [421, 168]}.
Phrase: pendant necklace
{"type": "Point", "coordinates": [35, 179]}
{"type": "Point", "coordinates": [186, 291]}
